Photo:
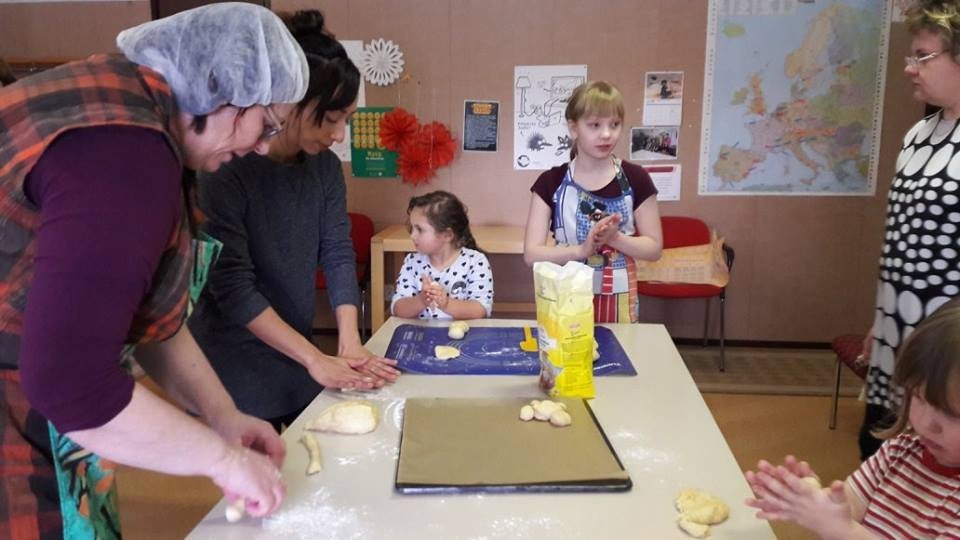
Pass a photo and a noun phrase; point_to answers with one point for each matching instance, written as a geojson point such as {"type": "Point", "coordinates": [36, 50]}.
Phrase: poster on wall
{"type": "Point", "coordinates": [666, 178]}
{"type": "Point", "coordinates": [370, 158]}
{"type": "Point", "coordinates": [540, 95]}
{"type": "Point", "coordinates": [663, 98]}
{"type": "Point", "coordinates": [652, 143]}
{"type": "Point", "coordinates": [480, 125]}
{"type": "Point", "coordinates": [803, 116]}
{"type": "Point", "coordinates": [354, 48]}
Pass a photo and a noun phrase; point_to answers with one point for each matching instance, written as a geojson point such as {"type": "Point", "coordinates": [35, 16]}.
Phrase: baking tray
{"type": "Point", "coordinates": [463, 445]}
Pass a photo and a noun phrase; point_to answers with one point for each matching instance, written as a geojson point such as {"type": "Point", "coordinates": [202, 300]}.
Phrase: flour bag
{"type": "Point", "coordinates": [565, 328]}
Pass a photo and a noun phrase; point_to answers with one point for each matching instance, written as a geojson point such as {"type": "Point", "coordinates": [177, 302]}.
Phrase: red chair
{"type": "Point", "coordinates": [361, 231]}
{"type": "Point", "coordinates": [849, 350]}
{"type": "Point", "coordinates": [687, 231]}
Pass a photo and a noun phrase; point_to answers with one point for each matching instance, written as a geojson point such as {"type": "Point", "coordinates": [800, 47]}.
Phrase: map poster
{"type": "Point", "coordinates": [540, 95]}
{"type": "Point", "coordinates": [480, 121]}
{"type": "Point", "coordinates": [793, 94]}
{"type": "Point", "coordinates": [369, 158]}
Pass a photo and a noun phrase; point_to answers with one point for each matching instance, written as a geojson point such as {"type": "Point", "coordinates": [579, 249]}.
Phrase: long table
{"type": "Point", "coordinates": [657, 422]}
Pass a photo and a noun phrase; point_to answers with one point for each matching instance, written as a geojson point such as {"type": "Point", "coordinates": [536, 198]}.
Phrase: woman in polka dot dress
{"type": "Point", "coordinates": [448, 277]}
{"type": "Point", "coordinates": [919, 264]}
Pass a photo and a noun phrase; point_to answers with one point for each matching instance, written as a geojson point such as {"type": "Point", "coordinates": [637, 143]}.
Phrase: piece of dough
{"type": "Point", "coordinates": [445, 352]}
{"type": "Point", "coordinates": [313, 453]}
{"type": "Point", "coordinates": [701, 507]}
{"type": "Point", "coordinates": [526, 413]}
{"type": "Point", "coordinates": [695, 530]}
{"type": "Point", "coordinates": [234, 511]}
{"type": "Point", "coordinates": [554, 412]}
{"type": "Point", "coordinates": [544, 410]}
{"type": "Point", "coordinates": [812, 480]}
{"type": "Point", "coordinates": [458, 329]}
{"type": "Point", "coordinates": [560, 418]}
{"type": "Point", "coordinates": [353, 417]}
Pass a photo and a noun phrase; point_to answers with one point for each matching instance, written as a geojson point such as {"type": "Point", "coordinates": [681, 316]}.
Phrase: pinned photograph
{"type": "Point", "coordinates": [654, 143]}
{"type": "Point", "coordinates": [663, 98]}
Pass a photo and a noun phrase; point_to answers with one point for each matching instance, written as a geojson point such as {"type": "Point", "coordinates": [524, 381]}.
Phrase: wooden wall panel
{"type": "Point", "coordinates": [805, 266]}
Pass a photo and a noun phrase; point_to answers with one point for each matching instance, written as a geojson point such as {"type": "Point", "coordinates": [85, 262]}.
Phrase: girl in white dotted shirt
{"type": "Point", "coordinates": [448, 277]}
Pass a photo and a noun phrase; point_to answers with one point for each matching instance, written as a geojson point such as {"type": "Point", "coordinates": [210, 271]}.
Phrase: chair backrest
{"type": "Point", "coordinates": [680, 231]}
{"type": "Point", "coordinates": [361, 231]}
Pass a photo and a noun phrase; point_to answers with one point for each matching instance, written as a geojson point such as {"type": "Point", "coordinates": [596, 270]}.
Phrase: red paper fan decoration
{"type": "Point", "coordinates": [442, 145]}
{"type": "Point", "coordinates": [396, 127]}
{"type": "Point", "coordinates": [414, 163]}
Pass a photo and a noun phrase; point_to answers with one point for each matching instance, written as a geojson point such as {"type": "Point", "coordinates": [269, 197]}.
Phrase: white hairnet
{"type": "Point", "coordinates": [230, 53]}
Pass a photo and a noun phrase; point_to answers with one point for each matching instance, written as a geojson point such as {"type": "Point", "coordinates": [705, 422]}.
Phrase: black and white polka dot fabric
{"type": "Point", "coordinates": [468, 278]}
{"type": "Point", "coordinates": [919, 264]}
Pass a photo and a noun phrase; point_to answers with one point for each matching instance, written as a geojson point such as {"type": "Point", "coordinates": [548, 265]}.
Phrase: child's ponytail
{"type": "Point", "coordinates": [468, 241]}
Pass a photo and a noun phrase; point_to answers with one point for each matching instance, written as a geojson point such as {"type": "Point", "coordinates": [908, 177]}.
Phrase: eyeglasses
{"type": "Point", "coordinates": [275, 127]}
{"type": "Point", "coordinates": [917, 61]}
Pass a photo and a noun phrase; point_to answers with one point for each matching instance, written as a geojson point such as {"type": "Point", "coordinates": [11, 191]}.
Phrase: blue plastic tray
{"type": "Point", "coordinates": [490, 351]}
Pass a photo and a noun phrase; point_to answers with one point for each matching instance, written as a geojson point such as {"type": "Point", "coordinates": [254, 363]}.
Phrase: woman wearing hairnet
{"type": "Point", "coordinates": [97, 255]}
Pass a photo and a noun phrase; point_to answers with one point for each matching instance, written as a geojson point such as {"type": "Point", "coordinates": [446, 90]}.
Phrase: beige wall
{"type": "Point", "coordinates": [805, 266]}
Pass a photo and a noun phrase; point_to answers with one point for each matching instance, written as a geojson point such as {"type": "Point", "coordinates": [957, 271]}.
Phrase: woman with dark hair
{"type": "Point", "coordinates": [279, 217]}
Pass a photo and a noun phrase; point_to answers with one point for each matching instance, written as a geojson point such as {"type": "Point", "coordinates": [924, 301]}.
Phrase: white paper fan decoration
{"type": "Point", "coordinates": [382, 62]}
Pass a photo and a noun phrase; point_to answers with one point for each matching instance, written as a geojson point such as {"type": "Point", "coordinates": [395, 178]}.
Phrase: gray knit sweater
{"type": "Point", "coordinates": [277, 222]}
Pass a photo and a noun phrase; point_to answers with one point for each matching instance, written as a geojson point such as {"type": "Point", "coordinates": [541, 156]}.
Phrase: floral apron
{"type": "Point", "coordinates": [614, 279]}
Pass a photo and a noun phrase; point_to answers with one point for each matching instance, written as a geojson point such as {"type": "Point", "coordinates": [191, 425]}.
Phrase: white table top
{"type": "Point", "coordinates": [657, 422]}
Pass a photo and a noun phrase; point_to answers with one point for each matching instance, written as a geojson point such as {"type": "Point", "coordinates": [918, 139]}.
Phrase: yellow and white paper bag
{"type": "Point", "coordinates": [565, 328]}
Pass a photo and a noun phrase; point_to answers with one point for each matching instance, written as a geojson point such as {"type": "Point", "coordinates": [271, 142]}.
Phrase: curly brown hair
{"type": "Point", "coordinates": [445, 212]}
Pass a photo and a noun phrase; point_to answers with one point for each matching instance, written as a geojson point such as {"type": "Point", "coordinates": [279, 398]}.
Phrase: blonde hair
{"type": "Point", "coordinates": [929, 361]}
{"type": "Point", "coordinates": [940, 17]}
{"type": "Point", "coordinates": [595, 97]}
{"type": "Point", "coordinates": [599, 98]}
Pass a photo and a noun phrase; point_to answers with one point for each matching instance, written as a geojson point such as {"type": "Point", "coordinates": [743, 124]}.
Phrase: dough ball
{"type": "Point", "coordinates": [544, 409]}
{"type": "Point", "coordinates": [526, 413]}
{"type": "Point", "coordinates": [560, 418]}
{"type": "Point", "coordinates": [445, 352]}
{"type": "Point", "coordinates": [812, 480]}
{"type": "Point", "coordinates": [701, 507]}
{"type": "Point", "coordinates": [234, 511]}
{"type": "Point", "coordinates": [695, 530]}
{"type": "Point", "coordinates": [455, 332]}
{"type": "Point", "coordinates": [353, 417]}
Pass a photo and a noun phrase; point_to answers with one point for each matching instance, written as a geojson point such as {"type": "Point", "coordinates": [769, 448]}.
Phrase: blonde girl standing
{"type": "Point", "coordinates": [600, 210]}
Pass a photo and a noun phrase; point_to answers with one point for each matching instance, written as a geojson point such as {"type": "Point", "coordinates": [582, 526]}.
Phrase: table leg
{"type": "Point", "coordinates": [376, 287]}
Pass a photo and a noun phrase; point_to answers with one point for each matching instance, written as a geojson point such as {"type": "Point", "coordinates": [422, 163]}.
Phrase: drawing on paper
{"type": "Point", "coordinates": [541, 94]}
